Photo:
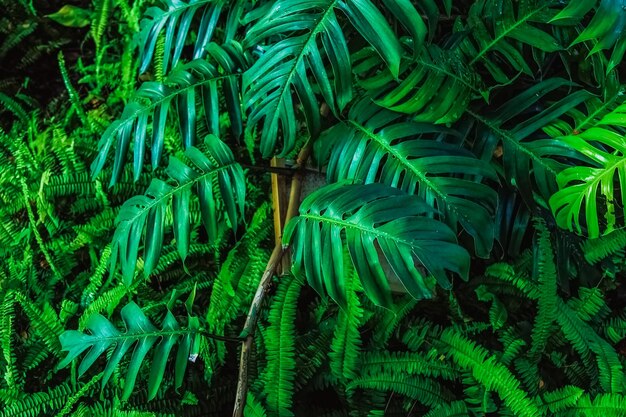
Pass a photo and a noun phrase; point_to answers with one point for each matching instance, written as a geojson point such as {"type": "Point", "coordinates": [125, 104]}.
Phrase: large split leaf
{"type": "Point", "coordinates": [376, 145]}
{"type": "Point", "coordinates": [173, 22]}
{"type": "Point", "coordinates": [140, 337]}
{"type": "Point", "coordinates": [607, 28]}
{"type": "Point", "coordinates": [529, 160]}
{"type": "Point", "coordinates": [309, 35]}
{"type": "Point", "coordinates": [217, 170]}
{"type": "Point", "coordinates": [435, 86]}
{"type": "Point", "coordinates": [381, 226]}
{"type": "Point", "coordinates": [591, 198]}
{"type": "Point", "coordinates": [150, 106]}
{"type": "Point", "coordinates": [499, 29]}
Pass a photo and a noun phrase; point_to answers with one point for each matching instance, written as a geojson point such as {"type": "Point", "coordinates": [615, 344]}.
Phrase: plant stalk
{"type": "Point", "coordinates": [266, 279]}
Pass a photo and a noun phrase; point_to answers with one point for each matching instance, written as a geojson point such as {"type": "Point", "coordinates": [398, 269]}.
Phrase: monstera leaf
{"type": "Point", "coordinates": [381, 226]}
{"type": "Point", "coordinates": [216, 167]}
{"type": "Point", "coordinates": [311, 45]}
{"type": "Point", "coordinates": [150, 106]}
{"type": "Point", "coordinates": [139, 338]}
{"type": "Point", "coordinates": [498, 30]}
{"type": "Point", "coordinates": [512, 137]}
{"type": "Point", "coordinates": [591, 199]}
{"type": "Point", "coordinates": [607, 27]}
{"type": "Point", "coordinates": [376, 145]}
{"type": "Point", "coordinates": [435, 86]}
{"type": "Point", "coordinates": [175, 19]}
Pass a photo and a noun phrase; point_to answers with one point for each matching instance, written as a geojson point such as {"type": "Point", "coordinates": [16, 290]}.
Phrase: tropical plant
{"type": "Point", "coordinates": [401, 207]}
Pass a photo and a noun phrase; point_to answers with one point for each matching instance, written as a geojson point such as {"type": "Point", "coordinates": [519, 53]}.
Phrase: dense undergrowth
{"type": "Point", "coordinates": [451, 175]}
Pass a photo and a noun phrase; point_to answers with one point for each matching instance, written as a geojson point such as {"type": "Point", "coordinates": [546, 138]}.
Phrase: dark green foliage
{"type": "Point", "coordinates": [459, 247]}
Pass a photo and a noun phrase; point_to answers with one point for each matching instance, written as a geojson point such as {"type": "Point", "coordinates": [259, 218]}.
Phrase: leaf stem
{"type": "Point", "coordinates": [250, 325]}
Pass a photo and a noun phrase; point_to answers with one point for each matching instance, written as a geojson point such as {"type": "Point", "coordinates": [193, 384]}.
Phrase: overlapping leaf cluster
{"type": "Point", "coordinates": [463, 254]}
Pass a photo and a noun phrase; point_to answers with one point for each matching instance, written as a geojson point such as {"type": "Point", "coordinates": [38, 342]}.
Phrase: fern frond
{"type": "Point", "coordinates": [253, 407]}
{"type": "Point", "coordinates": [561, 399]}
{"type": "Point", "coordinates": [280, 347]}
{"type": "Point", "coordinates": [406, 363]}
{"type": "Point", "coordinates": [546, 276]}
{"type": "Point", "coordinates": [453, 409]}
{"type": "Point", "coordinates": [346, 344]}
{"type": "Point", "coordinates": [39, 403]}
{"type": "Point", "coordinates": [489, 372]}
{"type": "Point", "coordinates": [601, 248]}
{"type": "Point", "coordinates": [426, 391]}
{"type": "Point", "coordinates": [238, 276]}
{"type": "Point", "coordinates": [585, 340]}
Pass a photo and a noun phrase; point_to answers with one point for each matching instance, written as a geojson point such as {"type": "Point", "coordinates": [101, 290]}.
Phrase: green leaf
{"type": "Point", "coordinates": [375, 145]}
{"type": "Point", "coordinates": [591, 198]}
{"type": "Point", "coordinates": [153, 101]}
{"type": "Point", "coordinates": [435, 86]}
{"type": "Point", "coordinates": [308, 44]}
{"type": "Point", "coordinates": [217, 166]}
{"type": "Point", "coordinates": [528, 158]}
{"type": "Point", "coordinates": [176, 21]}
{"type": "Point", "coordinates": [140, 333]}
{"type": "Point", "coordinates": [489, 372]}
{"type": "Point", "coordinates": [280, 348]}
{"type": "Point", "coordinates": [499, 28]}
{"type": "Point", "coordinates": [381, 226]}
{"type": "Point", "coordinates": [607, 28]}
{"type": "Point", "coordinates": [71, 16]}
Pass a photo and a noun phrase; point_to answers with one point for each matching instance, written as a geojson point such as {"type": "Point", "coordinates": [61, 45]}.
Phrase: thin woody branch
{"type": "Point", "coordinates": [266, 279]}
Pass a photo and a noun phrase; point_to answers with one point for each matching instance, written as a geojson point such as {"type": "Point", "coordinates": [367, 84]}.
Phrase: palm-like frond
{"type": "Point", "coordinates": [374, 144]}
{"type": "Point", "coordinates": [281, 362]}
{"type": "Point", "coordinates": [425, 390]}
{"type": "Point", "coordinates": [217, 170]}
{"type": "Point", "coordinates": [607, 27]}
{"type": "Point", "coordinates": [141, 334]}
{"type": "Point", "coordinates": [546, 276]}
{"type": "Point", "coordinates": [346, 343]}
{"type": "Point", "coordinates": [173, 22]}
{"type": "Point", "coordinates": [591, 199]}
{"type": "Point", "coordinates": [284, 65]}
{"type": "Point", "coordinates": [370, 218]}
{"type": "Point", "coordinates": [436, 86]}
{"type": "Point", "coordinates": [489, 372]}
{"type": "Point", "coordinates": [153, 102]}
{"type": "Point", "coordinates": [527, 157]}
{"type": "Point", "coordinates": [586, 341]}
{"type": "Point", "coordinates": [497, 27]}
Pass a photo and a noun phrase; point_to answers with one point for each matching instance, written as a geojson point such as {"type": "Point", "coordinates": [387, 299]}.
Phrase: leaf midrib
{"type": "Point", "coordinates": [165, 196]}
{"type": "Point", "coordinates": [422, 176]}
{"type": "Point", "coordinates": [506, 135]}
{"type": "Point", "coordinates": [305, 46]}
{"type": "Point", "coordinates": [348, 225]}
{"type": "Point", "coordinates": [138, 336]}
{"type": "Point", "coordinates": [506, 32]}
{"type": "Point", "coordinates": [177, 91]}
